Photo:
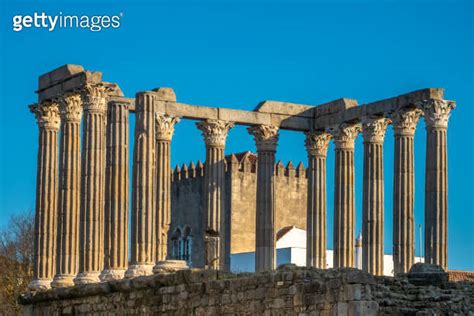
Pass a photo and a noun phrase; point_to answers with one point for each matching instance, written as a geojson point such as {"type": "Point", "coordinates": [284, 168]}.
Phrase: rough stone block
{"type": "Point", "coordinates": [427, 274]}
{"type": "Point", "coordinates": [165, 94]}
{"type": "Point", "coordinates": [58, 74]}
{"type": "Point", "coordinates": [285, 108]}
{"type": "Point", "coordinates": [365, 308]}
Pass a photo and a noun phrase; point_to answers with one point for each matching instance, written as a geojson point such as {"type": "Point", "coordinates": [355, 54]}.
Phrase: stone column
{"type": "Point", "coordinates": [216, 252]}
{"type": "Point", "coordinates": [344, 203]}
{"type": "Point", "coordinates": [116, 192]}
{"type": "Point", "coordinates": [266, 139]}
{"type": "Point", "coordinates": [47, 115]}
{"type": "Point", "coordinates": [91, 227]}
{"type": "Point", "coordinates": [436, 114]}
{"type": "Point", "coordinates": [373, 129]}
{"type": "Point", "coordinates": [70, 107]}
{"type": "Point", "coordinates": [143, 243]}
{"type": "Point", "coordinates": [404, 124]}
{"type": "Point", "coordinates": [317, 143]}
{"type": "Point", "coordinates": [164, 126]}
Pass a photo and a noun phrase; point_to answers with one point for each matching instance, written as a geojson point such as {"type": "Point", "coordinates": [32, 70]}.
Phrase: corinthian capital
{"type": "Point", "coordinates": [214, 131]}
{"type": "Point", "coordinates": [317, 143]}
{"type": "Point", "coordinates": [373, 129]}
{"type": "Point", "coordinates": [165, 126]}
{"type": "Point", "coordinates": [404, 121]}
{"type": "Point", "coordinates": [436, 112]}
{"type": "Point", "coordinates": [70, 107]}
{"type": "Point", "coordinates": [47, 115]}
{"type": "Point", "coordinates": [266, 137]}
{"type": "Point", "coordinates": [94, 97]}
{"type": "Point", "coordinates": [345, 135]}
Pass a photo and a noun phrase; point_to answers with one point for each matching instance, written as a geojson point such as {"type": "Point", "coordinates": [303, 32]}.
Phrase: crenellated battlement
{"type": "Point", "coordinates": [245, 162]}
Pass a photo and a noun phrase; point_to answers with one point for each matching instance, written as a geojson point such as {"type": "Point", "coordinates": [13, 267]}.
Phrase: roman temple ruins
{"type": "Point", "coordinates": [82, 194]}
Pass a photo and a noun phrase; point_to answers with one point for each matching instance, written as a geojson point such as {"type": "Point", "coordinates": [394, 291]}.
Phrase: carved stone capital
{"type": "Point", "coordinates": [404, 121]}
{"type": "Point", "coordinates": [47, 115]}
{"type": "Point", "coordinates": [214, 131]}
{"type": "Point", "coordinates": [94, 98]}
{"type": "Point", "coordinates": [165, 126]}
{"type": "Point", "coordinates": [373, 129]}
{"type": "Point", "coordinates": [266, 137]}
{"type": "Point", "coordinates": [344, 135]}
{"type": "Point", "coordinates": [70, 107]}
{"type": "Point", "coordinates": [436, 112]}
{"type": "Point", "coordinates": [317, 143]}
{"type": "Point", "coordinates": [119, 103]}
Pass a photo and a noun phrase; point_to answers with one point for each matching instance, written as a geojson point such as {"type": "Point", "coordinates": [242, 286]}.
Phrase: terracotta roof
{"type": "Point", "coordinates": [283, 231]}
{"type": "Point", "coordinates": [460, 276]}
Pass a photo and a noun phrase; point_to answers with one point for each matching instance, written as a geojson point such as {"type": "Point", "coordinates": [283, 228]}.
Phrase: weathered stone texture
{"type": "Point", "coordinates": [316, 145]}
{"type": "Point", "coordinates": [373, 195]}
{"type": "Point", "coordinates": [164, 133]}
{"type": "Point", "coordinates": [116, 192]}
{"type": "Point", "coordinates": [69, 191]}
{"type": "Point", "coordinates": [143, 241]}
{"type": "Point", "coordinates": [404, 126]}
{"type": "Point", "coordinates": [287, 291]}
{"type": "Point", "coordinates": [91, 228]}
{"type": "Point", "coordinates": [47, 115]}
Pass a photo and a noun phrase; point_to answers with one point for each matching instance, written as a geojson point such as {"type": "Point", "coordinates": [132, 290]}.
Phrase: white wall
{"type": "Point", "coordinates": [291, 248]}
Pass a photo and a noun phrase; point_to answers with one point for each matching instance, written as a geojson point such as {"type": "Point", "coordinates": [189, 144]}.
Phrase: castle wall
{"type": "Point", "coordinates": [186, 209]}
{"type": "Point", "coordinates": [290, 194]}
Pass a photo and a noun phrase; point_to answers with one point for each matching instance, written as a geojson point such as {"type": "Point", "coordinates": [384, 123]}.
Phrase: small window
{"type": "Point", "coordinates": [182, 244]}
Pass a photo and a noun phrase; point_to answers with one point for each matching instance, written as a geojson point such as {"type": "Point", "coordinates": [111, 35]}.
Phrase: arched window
{"type": "Point", "coordinates": [175, 241]}
{"type": "Point", "coordinates": [181, 244]}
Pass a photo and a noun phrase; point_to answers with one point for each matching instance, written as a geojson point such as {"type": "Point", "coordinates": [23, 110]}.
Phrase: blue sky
{"type": "Point", "coordinates": [235, 54]}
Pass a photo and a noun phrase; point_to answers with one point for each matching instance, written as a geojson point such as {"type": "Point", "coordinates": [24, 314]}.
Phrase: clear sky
{"type": "Point", "coordinates": [235, 54]}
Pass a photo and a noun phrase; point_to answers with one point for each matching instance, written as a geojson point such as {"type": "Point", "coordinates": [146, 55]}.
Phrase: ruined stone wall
{"type": "Point", "coordinates": [290, 194]}
{"type": "Point", "coordinates": [287, 291]}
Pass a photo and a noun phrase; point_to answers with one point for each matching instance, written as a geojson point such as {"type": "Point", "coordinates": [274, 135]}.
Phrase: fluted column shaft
{"type": "Point", "coordinates": [373, 195]}
{"type": "Point", "coordinates": [116, 192]}
{"type": "Point", "coordinates": [316, 145]}
{"type": "Point", "coordinates": [216, 251]}
{"type": "Point", "coordinates": [266, 139]}
{"type": "Point", "coordinates": [164, 125]}
{"type": "Point", "coordinates": [344, 190]}
{"type": "Point", "coordinates": [143, 242]}
{"type": "Point", "coordinates": [436, 114]}
{"type": "Point", "coordinates": [91, 228]}
{"type": "Point", "coordinates": [47, 115]}
{"type": "Point", "coordinates": [67, 247]}
{"type": "Point", "coordinates": [404, 126]}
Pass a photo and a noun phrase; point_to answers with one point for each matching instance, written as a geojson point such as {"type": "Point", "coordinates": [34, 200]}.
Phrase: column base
{"type": "Point", "coordinates": [112, 274]}
{"type": "Point", "coordinates": [136, 270]}
{"type": "Point", "coordinates": [169, 266]}
{"type": "Point", "coordinates": [40, 284]}
{"type": "Point", "coordinates": [87, 277]}
{"type": "Point", "coordinates": [63, 280]}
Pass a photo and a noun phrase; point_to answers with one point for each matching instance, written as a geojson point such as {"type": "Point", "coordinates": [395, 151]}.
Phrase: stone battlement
{"type": "Point", "coordinates": [290, 290]}
{"type": "Point", "coordinates": [245, 162]}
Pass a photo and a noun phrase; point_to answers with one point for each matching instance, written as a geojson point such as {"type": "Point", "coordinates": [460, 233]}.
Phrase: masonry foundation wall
{"type": "Point", "coordinates": [287, 291]}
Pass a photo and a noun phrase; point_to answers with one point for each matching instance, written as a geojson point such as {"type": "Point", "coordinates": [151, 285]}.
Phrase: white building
{"type": "Point", "coordinates": [291, 248]}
